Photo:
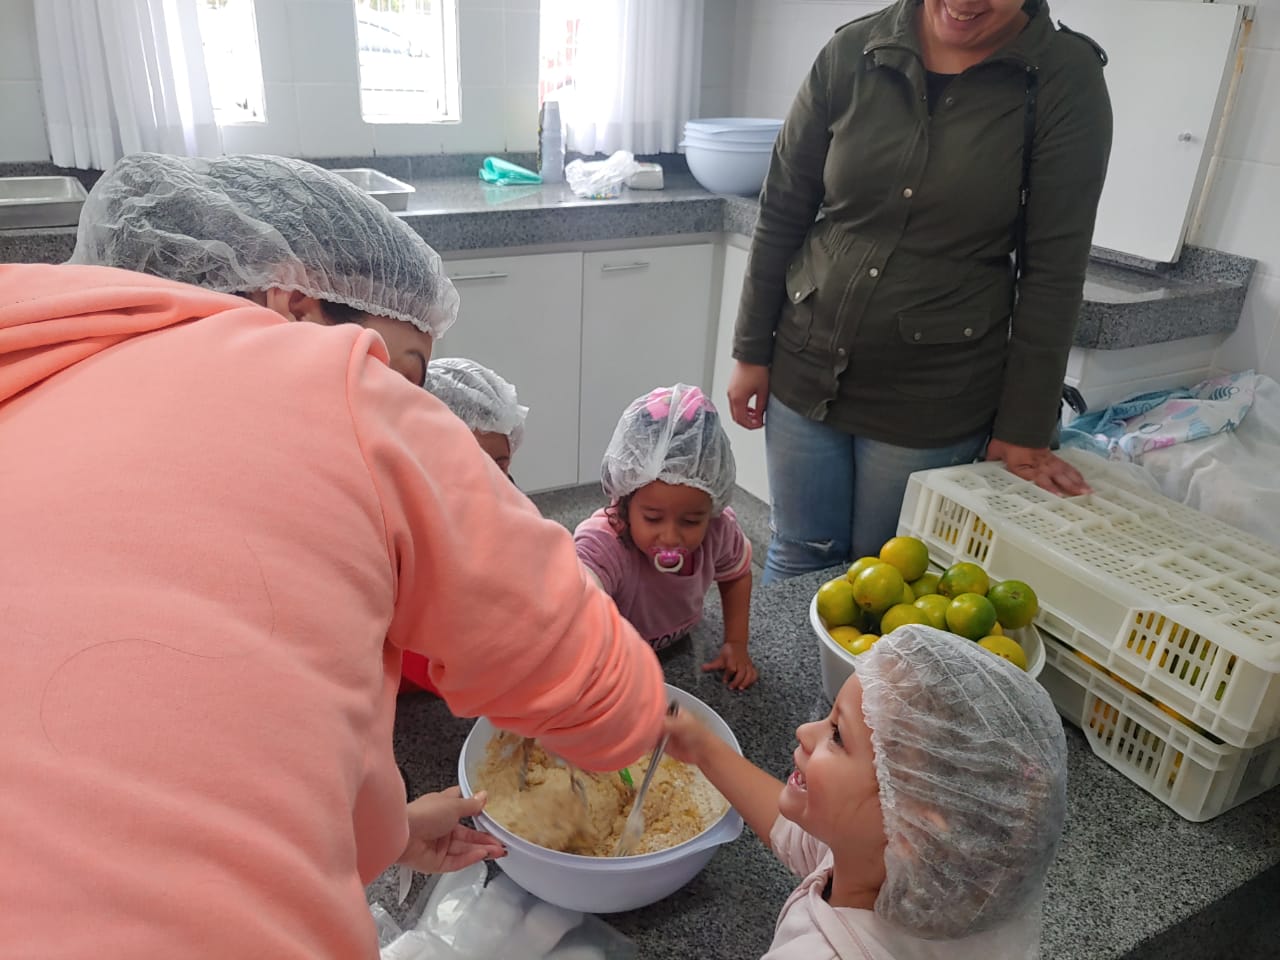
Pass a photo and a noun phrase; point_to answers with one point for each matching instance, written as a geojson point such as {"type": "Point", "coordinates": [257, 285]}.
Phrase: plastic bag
{"type": "Point", "coordinates": [601, 179]}
{"type": "Point", "coordinates": [467, 919]}
{"type": "Point", "coordinates": [505, 173]}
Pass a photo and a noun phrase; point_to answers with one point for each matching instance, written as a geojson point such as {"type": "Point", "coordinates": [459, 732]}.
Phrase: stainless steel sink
{"type": "Point", "coordinates": [40, 201]}
{"type": "Point", "coordinates": [391, 193]}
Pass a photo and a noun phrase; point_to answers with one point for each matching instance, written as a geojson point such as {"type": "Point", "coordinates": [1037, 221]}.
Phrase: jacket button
{"type": "Point", "coordinates": [951, 101]}
{"type": "Point", "coordinates": [874, 272]}
{"type": "Point", "coordinates": [908, 193]}
{"type": "Point", "coordinates": [797, 296]}
{"type": "Point", "coordinates": [916, 335]}
{"type": "Point", "coordinates": [841, 351]}
{"type": "Point", "coordinates": [968, 331]}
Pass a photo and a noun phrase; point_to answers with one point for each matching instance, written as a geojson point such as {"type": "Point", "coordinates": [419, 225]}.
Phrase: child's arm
{"type": "Point", "coordinates": [751, 791]}
{"type": "Point", "coordinates": [734, 660]}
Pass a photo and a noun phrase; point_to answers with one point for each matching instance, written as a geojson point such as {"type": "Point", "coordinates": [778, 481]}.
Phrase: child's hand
{"type": "Point", "coordinates": [688, 738]}
{"type": "Point", "coordinates": [438, 843]}
{"type": "Point", "coordinates": [739, 671]}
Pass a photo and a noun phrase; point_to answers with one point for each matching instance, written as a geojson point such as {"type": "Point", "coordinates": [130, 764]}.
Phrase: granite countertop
{"type": "Point", "coordinates": [1126, 303]}
{"type": "Point", "coordinates": [1128, 869]}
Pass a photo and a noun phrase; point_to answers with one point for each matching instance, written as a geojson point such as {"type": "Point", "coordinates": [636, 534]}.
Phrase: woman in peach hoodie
{"type": "Point", "coordinates": [219, 532]}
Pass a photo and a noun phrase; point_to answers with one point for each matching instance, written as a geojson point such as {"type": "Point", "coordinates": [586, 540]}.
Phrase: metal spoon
{"type": "Point", "coordinates": [633, 829]}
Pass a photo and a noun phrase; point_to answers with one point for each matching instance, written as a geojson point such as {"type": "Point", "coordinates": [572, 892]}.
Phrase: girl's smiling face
{"type": "Point", "coordinates": [667, 516]}
{"type": "Point", "coordinates": [833, 793]}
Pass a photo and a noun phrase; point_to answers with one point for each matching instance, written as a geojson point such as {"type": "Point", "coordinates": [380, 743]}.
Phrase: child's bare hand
{"type": "Point", "coordinates": [687, 738]}
{"type": "Point", "coordinates": [739, 671]}
{"type": "Point", "coordinates": [438, 842]}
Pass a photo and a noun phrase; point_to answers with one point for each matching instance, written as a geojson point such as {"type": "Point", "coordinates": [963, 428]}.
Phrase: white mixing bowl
{"type": "Point", "coordinates": [603, 884]}
{"type": "Point", "coordinates": [838, 664]}
{"type": "Point", "coordinates": [744, 127]}
{"type": "Point", "coordinates": [728, 170]}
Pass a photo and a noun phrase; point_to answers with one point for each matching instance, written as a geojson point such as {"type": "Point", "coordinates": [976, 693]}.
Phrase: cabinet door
{"type": "Point", "coordinates": [646, 322]}
{"type": "Point", "coordinates": [522, 317]}
{"type": "Point", "coordinates": [748, 445]}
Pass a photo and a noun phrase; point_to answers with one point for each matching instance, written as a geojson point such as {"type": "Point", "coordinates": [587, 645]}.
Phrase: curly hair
{"type": "Point", "coordinates": [616, 513]}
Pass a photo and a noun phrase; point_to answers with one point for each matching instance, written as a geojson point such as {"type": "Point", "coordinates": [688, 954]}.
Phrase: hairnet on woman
{"type": "Point", "coordinates": [252, 224]}
{"type": "Point", "coordinates": [923, 813]}
{"type": "Point", "coordinates": [222, 530]}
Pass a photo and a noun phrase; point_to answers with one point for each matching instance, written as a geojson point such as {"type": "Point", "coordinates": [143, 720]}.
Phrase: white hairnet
{"type": "Point", "coordinates": [972, 766]}
{"type": "Point", "coordinates": [241, 224]}
{"type": "Point", "coordinates": [478, 397]}
{"type": "Point", "coordinates": [672, 434]}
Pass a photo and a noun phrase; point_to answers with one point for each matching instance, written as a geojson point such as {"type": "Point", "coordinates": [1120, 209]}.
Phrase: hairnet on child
{"type": "Point", "coordinates": [241, 224]}
{"type": "Point", "coordinates": [478, 397]}
{"type": "Point", "coordinates": [972, 767]}
{"type": "Point", "coordinates": [672, 434]}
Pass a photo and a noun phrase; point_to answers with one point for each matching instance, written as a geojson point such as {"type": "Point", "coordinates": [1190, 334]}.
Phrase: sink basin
{"type": "Point", "coordinates": [40, 201]}
{"type": "Point", "coordinates": [390, 192]}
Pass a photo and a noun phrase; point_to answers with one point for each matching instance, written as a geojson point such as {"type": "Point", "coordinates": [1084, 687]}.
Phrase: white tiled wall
{"type": "Point", "coordinates": [310, 74]}
{"type": "Point", "coordinates": [775, 42]}
{"type": "Point", "coordinates": [1242, 212]}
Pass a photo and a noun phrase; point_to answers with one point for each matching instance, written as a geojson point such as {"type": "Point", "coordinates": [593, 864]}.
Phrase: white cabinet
{"type": "Point", "coordinates": [522, 317]}
{"type": "Point", "coordinates": [748, 445]}
{"type": "Point", "coordinates": [646, 322]}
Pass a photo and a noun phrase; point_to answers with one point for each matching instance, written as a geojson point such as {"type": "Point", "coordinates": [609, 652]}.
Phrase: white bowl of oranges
{"type": "Point", "coordinates": [899, 587]}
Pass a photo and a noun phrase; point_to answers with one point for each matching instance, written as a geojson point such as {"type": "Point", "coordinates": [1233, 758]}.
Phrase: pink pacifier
{"type": "Point", "coordinates": [669, 561]}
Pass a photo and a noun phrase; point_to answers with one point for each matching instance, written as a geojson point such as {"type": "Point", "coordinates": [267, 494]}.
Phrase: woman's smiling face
{"type": "Point", "coordinates": [973, 25]}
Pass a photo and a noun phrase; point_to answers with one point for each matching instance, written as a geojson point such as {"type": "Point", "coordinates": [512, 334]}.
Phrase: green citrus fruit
{"type": "Point", "coordinates": [1015, 602]}
{"type": "Point", "coordinates": [926, 585]}
{"type": "Point", "coordinates": [908, 554]}
{"type": "Point", "coordinates": [900, 615]}
{"type": "Point", "coordinates": [878, 587]}
{"type": "Point", "coordinates": [971, 615]}
{"type": "Point", "coordinates": [1007, 648]}
{"type": "Point", "coordinates": [858, 566]}
{"type": "Point", "coordinates": [964, 577]}
{"type": "Point", "coordinates": [836, 606]}
{"type": "Point", "coordinates": [934, 608]}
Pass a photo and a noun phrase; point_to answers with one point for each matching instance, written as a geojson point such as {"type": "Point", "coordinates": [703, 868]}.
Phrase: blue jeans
{"type": "Point", "coordinates": [836, 496]}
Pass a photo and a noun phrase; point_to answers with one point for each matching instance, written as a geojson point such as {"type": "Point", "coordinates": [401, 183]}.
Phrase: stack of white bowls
{"type": "Point", "coordinates": [730, 154]}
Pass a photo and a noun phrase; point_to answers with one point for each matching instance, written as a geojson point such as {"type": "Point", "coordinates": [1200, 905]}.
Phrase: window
{"type": "Point", "coordinates": [408, 60]}
{"type": "Point", "coordinates": [229, 36]}
{"type": "Point", "coordinates": [557, 48]}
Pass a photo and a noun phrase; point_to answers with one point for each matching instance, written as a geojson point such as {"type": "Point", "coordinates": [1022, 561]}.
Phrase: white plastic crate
{"type": "Point", "coordinates": [1181, 605]}
{"type": "Point", "coordinates": [1197, 778]}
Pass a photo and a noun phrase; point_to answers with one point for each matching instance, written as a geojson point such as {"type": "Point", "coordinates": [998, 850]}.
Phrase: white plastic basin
{"type": "Point", "coordinates": [724, 170]}
{"type": "Point", "coordinates": [603, 884]}
{"type": "Point", "coordinates": [735, 126]}
{"type": "Point", "coordinates": [729, 144]}
{"type": "Point", "coordinates": [838, 664]}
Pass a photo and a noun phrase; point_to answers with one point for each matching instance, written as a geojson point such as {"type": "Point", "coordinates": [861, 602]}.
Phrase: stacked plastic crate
{"type": "Point", "coordinates": [1161, 624]}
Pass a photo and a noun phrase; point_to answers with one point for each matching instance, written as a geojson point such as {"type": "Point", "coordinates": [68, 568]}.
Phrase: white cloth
{"type": "Point", "coordinates": [123, 76]}
{"type": "Point", "coordinates": [637, 73]}
{"type": "Point", "coordinates": [809, 928]}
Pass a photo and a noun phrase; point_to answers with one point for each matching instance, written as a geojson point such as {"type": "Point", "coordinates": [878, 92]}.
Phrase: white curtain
{"type": "Point", "coordinates": [637, 75]}
{"type": "Point", "coordinates": [119, 76]}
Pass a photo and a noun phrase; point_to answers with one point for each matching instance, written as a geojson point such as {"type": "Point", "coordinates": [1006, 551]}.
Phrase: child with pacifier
{"type": "Point", "coordinates": [488, 405]}
{"type": "Point", "coordinates": [484, 402]}
{"type": "Point", "coordinates": [923, 812]}
{"type": "Point", "coordinates": [669, 533]}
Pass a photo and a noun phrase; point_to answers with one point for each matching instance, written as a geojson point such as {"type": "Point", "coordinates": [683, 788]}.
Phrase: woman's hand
{"type": "Point", "coordinates": [748, 382]}
{"type": "Point", "coordinates": [438, 843]}
{"type": "Point", "coordinates": [1041, 466]}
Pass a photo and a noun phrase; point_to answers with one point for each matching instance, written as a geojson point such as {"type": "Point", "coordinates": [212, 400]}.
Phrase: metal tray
{"type": "Point", "coordinates": [40, 201]}
{"type": "Point", "coordinates": [388, 191]}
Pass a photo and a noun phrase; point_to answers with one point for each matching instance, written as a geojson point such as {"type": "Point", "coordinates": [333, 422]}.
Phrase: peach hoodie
{"type": "Point", "coordinates": [216, 539]}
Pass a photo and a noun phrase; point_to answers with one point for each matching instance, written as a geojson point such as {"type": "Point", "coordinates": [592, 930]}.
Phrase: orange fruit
{"type": "Point", "coordinates": [1015, 602]}
{"type": "Point", "coordinates": [964, 577]}
{"type": "Point", "coordinates": [845, 636]}
{"type": "Point", "coordinates": [899, 615]}
{"type": "Point", "coordinates": [1006, 648]}
{"type": "Point", "coordinates": [858, 566]}
{"type": "Point", "coordinates": [908, 554]}
{"type": "Point", "coordinates": [997, 630]}
{"type": "Point", "coordinates": [908, 595]}
{"type": "Point", "coordinates": [836, 606]}
{"type": "Point", "coordinates": [971, 615]}
{"type": "Point", "coordinates": [926, 585]}
{"type": "Point", "coordinates": [878, 587]}
{"type": "Point", "coordinates": [864, 643]}
{"type": "Point", "coordinates": [934, 608]}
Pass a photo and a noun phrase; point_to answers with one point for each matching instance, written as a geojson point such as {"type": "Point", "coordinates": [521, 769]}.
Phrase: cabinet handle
{"type": "Point", "coordinates": [619, 267]}
{"type": "Point", "coordinates": [478, 276]}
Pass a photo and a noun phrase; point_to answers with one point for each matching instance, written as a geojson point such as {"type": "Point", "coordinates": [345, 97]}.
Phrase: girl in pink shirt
{"type": "Point", "coordinates": [923, 812]}
{"type": "Point", "coordinates": [669, 532]}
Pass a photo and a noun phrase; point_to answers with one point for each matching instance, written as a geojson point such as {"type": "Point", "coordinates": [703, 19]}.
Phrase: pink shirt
{"type": "Point", "coordinates": [662, 606]}
{"type": "Point", "coordinates": [809, 928]}
{"type": "Point", "coordinates": [219, 532]}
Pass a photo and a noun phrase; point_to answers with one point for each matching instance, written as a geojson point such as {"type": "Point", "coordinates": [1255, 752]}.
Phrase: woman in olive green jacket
{"type": "Point", "coordinates": [881, 328]}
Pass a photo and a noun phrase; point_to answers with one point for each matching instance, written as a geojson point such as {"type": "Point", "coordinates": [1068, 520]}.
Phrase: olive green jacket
{"type": "Point", "coordinates": [889, 317]}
